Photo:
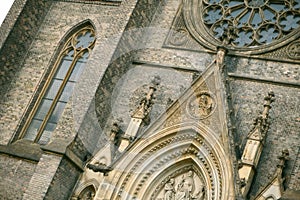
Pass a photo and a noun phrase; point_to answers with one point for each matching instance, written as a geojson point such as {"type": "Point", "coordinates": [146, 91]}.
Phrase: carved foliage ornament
{"type": "Point", "coordinates": [241, 24]}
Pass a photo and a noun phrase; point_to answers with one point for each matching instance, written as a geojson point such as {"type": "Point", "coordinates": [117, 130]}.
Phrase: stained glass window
{"type": "Point", "coordinates": [59, 86]}
{"type": "Point", "coordinates": [249, 23]}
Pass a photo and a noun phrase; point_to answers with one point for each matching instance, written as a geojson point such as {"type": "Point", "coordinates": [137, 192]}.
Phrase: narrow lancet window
{"type": "Point", "coordinates": [59, 87]}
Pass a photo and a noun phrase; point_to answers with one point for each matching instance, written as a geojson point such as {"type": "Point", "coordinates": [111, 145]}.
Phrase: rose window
{"type": "Point", "coordinates": [250, 23]}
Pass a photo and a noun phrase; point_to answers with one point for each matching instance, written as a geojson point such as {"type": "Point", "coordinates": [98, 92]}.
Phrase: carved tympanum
{"type": "Point", "coordinates": [186, 186]}
{"type": "Point", "coordinates": [202, 105]}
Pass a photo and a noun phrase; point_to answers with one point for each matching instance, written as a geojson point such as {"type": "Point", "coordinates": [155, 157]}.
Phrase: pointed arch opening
{"type": "Point", "coordinates": [87, 193]}
{"type": "Point", "coordinates": [68, 63]}
{"type": "Point", "coordinates": [150, 164]}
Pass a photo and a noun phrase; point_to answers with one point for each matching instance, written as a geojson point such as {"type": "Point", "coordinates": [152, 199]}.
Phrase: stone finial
{"type": "Point", "coordinates": [254, 145]}
{"type": "Point", "coordinates": [261, 124]}
{"type": "Point", "coordinates": [267, 104]}
{"type": "Point", "coordinates": [282, 160]}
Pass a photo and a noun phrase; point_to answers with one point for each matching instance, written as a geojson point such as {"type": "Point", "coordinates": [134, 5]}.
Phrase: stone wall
{"type": "Point", "coordinates": [15, 175]}
{"type": "Point", "coordinates": [12, 54]}
{"type": "Point", "coordinates": [125, 59]}
{"type": "Point", "coordinates": [64, 180]}
{"type": "Point", "coordinates": [250, 82]}
{"type": "Point", "coordinates": [30, 74]}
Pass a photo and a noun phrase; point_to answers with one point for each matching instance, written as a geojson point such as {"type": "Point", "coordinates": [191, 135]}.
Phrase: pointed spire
{"type": "Point", "coordinates": [275, 187]}
{"type": "Point", "coordinates": [254, 145]}
{"type": "Point", "coordinates": [140, 116]}
{"type": "Point", "coordinates": [146, 103]}
{"type": "Point", "coordinates": [261, 124]}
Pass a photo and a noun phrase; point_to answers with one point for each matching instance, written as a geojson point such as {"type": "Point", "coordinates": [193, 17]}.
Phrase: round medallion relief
{"type": "Point", "coordinates": [201, 105]}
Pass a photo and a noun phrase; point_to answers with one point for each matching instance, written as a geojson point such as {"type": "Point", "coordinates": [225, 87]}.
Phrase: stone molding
{"type": "Point", "coordinates": [151, 158]}
{"type": "Point", "coordinates": [96, 2]}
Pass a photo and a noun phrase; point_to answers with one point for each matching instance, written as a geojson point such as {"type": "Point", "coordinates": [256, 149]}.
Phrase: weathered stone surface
{"type": "Point", "coordinates": [15, 175]}
{"type": "Point", "coordinates": [130, 50]}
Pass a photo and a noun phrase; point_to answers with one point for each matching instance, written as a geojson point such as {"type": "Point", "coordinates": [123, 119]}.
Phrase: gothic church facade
{"type": "Point", "coordinates": [150, 99]}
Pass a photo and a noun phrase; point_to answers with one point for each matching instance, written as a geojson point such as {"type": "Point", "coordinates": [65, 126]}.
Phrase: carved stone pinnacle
{"type": "Point", "coordinates": [267, 104]}
{"type": "Point", "coordinates": [283, 158]}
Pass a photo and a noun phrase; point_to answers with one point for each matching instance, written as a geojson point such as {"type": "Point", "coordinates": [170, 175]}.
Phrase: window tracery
{"type": "Point", "coordinates": [255, 22]}
{"type": "Point", "coordinates": [59, 87]}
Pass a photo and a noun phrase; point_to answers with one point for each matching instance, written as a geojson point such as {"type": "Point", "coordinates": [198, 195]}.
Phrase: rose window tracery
{"type": "Point", "coordinates": [250, 23]}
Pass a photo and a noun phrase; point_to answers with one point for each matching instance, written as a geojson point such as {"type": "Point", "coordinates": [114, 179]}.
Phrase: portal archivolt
{"type": "Point", "coordinates": [187, 157]}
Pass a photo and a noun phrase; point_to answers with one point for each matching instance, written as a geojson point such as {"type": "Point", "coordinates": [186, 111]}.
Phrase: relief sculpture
{"type": "Point", "coordinates": [201, 106]}
{"type": "Point", "coordinates": [185, 189]}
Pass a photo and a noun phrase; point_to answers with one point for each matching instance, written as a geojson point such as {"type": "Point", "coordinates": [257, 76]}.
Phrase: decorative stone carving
{"type": "Point", "coordinates": [179, 37]}
{"type": "Point", "coordinates": [293, 50]}
{"type": "Point", "coordinates": [115, 135]}
{"type": "Point", "coordinates": [99, 167]}
{"type": "Point", "coordinates": [206, 161]}
{"type": "Point", "coordinates": [254, 146]}
{"type": "Point", "coordinates": [259, 37]}
{"type": "Point", "coordinates": [220, 57]}
{"type": "Point", "coordinates": [187, 186]}
{"type": "Point", "coordinates": [140, 116]}
{"type": "Point", "coordinates": [275, 189]}
{"type": "Point", "coordinates": [241, 24]}
{"type": "Point", "coordinates": [144, 107]}
{"type": "Point", "coordinates": [201, 105]}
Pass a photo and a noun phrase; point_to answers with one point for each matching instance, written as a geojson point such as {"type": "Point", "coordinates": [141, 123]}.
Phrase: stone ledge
{"type": "Point", "coordinates": [61, 148]}
{"type": "Point", "coordinates": [97, 2]}
{"type": "Point", "coordinates": [23, 149]}
{"type": "Point", "coordinates": [31, 151]}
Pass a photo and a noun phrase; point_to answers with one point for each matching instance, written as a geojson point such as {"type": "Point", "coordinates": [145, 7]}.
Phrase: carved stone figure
{"type": "Point", "coordinates": [170, 190]}
{"type": "Point", "coordinates": [185, 189]}
{"type": "Point", "coordinates": [201, 106]}
{"type": "Point", "coordinates": [205, 105]}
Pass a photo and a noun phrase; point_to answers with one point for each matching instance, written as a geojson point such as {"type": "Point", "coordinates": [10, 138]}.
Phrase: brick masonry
{"type": "Point", "coordinates": [64, 180]}
{"type": "Point", "coordinates": [247, 99]}
{"type": "Point", "coordinates": [18, 42]}
{"type": "Point", "coordinates": [15, 175]}
{"type": "Point", "coordinates": [42, 177]}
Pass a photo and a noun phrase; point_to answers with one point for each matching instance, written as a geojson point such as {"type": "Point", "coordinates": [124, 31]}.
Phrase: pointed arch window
{"type": "Point", "coordinates": [59, 87]}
